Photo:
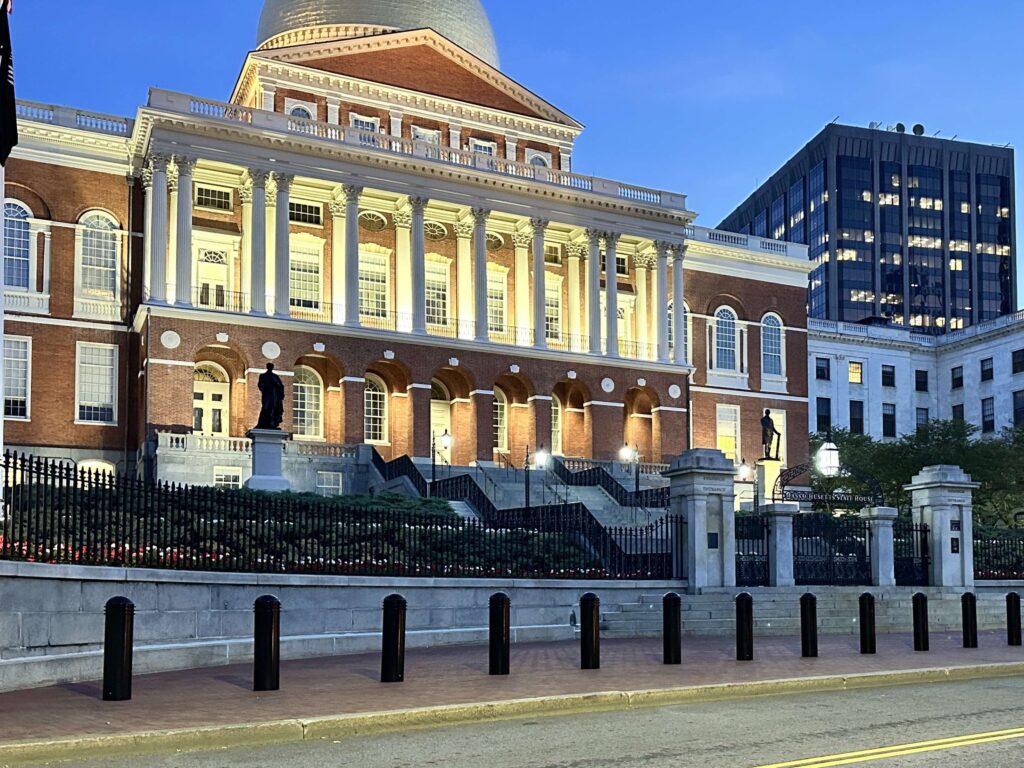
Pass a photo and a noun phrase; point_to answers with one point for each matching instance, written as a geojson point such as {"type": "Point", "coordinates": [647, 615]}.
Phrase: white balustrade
{"type": "Point", "coordinates": [167, 441]}
{"type": "Point", "coordinates": [328, 450]}
{"type": "Point", "coordinates": [27, 302]}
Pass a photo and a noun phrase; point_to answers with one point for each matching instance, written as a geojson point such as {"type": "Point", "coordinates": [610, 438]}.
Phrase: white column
{"type": "Point", "coordinates": [403, 270]}
{"type": "Point", "coordinates": [338, 224]}
{"type": "Point", "coordinates": [510, 147]}
{"type": "Point", "coordinates": [661, 303]}
{"type": "Point", "coordinates": [333, 110]}
{"type": "Point", "coordinates": [417, 206]}
{"type": "Point", "coordinates": [147, 232]}
{"type": "Point", "coordinates": [352, 193]}
{"type": "Point", "coordinates": [577, 252]}
{"type": "Point", "coordinates": [46, 262]}
{"type": "Point", "coordinates": [158, 231]}
{"type": "Point", "coordinates": [594, 290]}
{"type": "Point", "coordinates": [268, 97]}
{"type": "Point", "coordinates": [33, 258]}
{"type": "Point", "coordinates": [396, 123]}
{"type": "Point", "coordinates": [245, 272]}
{"type": "Point", "coordinates": [172, 231]}
{"type": "Point", "coordinates": [480, 274]}
{"type": "Point", "coordinates": [454, 135]}
{"type": "Point", "coordinates": [183, 284]}
{"type": "Point", "coordinates": [522, 315]}
{"type": "Point", "coordinates": [464, 278]}
{"type": "Point", "coordinates": [270, 230]}
{"type": "Point", "coordinates": [678, 315]}
{"type": "Point", "coordinates": [282, 246]}
{"type": "Point", "coordinates": [256, 223]}
{"type": "Point", "coordinates": [539, 336]}
{"type": "Point", "coordinates": [611, 295]}
{"type": "Point", "coordinates": [641, 314]}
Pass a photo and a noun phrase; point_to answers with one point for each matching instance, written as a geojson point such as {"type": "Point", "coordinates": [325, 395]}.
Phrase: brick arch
{"type": "Point", "coordinates": [244, 405]}
{"type": "Point", "coordinates": [577, 435]}
{"type": "Point", "coordinates": [719, 300]}
{"type": "Point", "coordinates": [521, 418]}
{"type": "Point", "coordinates": [87, 209]}
{"type": "Point", "coordinates": [397, 380]}
{"type": "Point", "coordinates": [458, 381]}
{"type": "Point", "coordinates": [35, 202]}
{"type": "Point", "coordinates": [333, 405]}
{"type": "Point", "coordinates": [640, 419]}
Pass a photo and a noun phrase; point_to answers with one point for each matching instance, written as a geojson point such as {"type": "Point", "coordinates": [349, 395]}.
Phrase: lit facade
{"type": "Point", "coordinates": [394, 224]}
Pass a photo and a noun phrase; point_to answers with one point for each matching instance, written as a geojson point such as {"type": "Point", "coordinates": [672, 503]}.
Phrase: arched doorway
{"type": "Point", "coordinates": [211, 399]}
{"type": "Point", "coordinates": [441, 419]}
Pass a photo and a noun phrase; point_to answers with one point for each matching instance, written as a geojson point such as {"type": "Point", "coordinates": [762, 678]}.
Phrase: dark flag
{"type": "Point", "coordinates": [8, 113]}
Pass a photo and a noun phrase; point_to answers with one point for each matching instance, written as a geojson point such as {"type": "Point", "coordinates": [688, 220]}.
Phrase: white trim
{"type": "Point", "coordinates": [605, 404]}
{"type": "Point", "coordinates": [353, 380]}
{"type": "Point", "coordinates": [116, 377]}
{"type": "Point", "coordinates": [539, 397]}
{"type": "Point", "coordinates": [484, 392]}
{"type": "Point", "coordinates": [748, 393]}
{"type": "Point", "coordinates": [158, 361]}
{"type": "Point", "coordinates": [669, 408]}
{"type": "Point", "coordinates": [419, 386]}
{"type": "Point", "coordinates": [87, 324]}
{"type": "Point", "coordinates": [641, 416]}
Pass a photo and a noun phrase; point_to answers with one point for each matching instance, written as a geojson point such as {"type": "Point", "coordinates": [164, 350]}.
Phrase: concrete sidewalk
{"type": "Point", "coordinates": [211, 701]}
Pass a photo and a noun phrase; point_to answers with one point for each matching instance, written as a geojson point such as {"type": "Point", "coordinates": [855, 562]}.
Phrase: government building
{"type": "Point", "coordinates": [400, 228]}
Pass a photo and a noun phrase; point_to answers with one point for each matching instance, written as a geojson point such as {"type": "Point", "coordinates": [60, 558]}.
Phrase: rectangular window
{"type": "Point", "coordinates": [920, 381]}
{"type": "Point", "coordinates": [99, 262]}
{"type": "Point", "coordinates": [888, 376]}
{"type": "Point", "coordinates": [824, 409]}
{"type": "Point", "coordinates": [552, 254]}
{"type": "Point", "coordinates": [483, 147]}
{"type": "Point", "coordinates": [363, 123]}
{"type": "Point", "coordinates": [426, 135]}
{"type": "Point", "coordinates": [216, 199]}
{"type": "Point", "coordinates": [227, 477]}
{"type": "Point", "coordinates": [958, 412]}
{"type": "Point", "coordinates": [1018, 361]}
{"type": "Point", "coordinates": [306, 213]}
{"type": "Point", "coordinates": [856, 372]}
{"type": "Point", "coordinates": [888, 419]}
{"type": "Point", "coordinates": [496, 287]}
{"type": "Point", "coordinates": [728, 432]}
{"type": "Point", "coordinates": [822, 369]}
{"type": "Point", "coordinates": [552, 310]}
{"type": "Point", "coordinates": [857, 417]}
{"type": "Point", "coordinates": [988, 415]}
{"type": "Point", "coordinates": [1018, 408]}
{"type": "Point", "coordinates": [986, 369]}
{"type": "Point", "coordinates": [437, 292]}
{"type": "Point", "coordinates": [956, 377]}
{"type": "Point", "coordinates": [328, 483]}
{"type": "Point", "coordinates": [304, 277]}
{"type": "Point", "coordinates": [922, 416]}
{"type": "Point", "coordinates": [373, 285]}
{"type": "Point", "coordinates": [96, 383]}
{"type": "Point", "coordinates": [17, 375]}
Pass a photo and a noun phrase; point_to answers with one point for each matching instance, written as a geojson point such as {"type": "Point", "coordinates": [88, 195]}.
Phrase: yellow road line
{"type": "Point", "coordinates": [900, 750]}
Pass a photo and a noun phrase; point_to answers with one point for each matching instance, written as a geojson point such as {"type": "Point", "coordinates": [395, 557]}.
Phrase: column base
{"type": "Point", "coordinates": [267, 458]}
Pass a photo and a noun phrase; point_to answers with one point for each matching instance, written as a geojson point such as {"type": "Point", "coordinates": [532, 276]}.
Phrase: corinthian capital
{"type": "Point", "coordinates": [186, 165]}
{"type": "Point", "coordinates": [418, 205]}
{"type": "Point", "coordinates": [538, 225]}
{"type": "Point", "coordinates": [403, 218]}
{"type": "Point", "coordinates": [464, 229]}
{"type": "Point", "coordinates": [522, 239]}
{"type": "Point", "coordinates": [351, 193]}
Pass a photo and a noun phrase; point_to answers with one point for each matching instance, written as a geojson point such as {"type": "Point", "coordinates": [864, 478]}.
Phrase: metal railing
{"type": "Point", "coordinates": [648, 498]}
{"type": "Point", "coordinates": [998, 553]}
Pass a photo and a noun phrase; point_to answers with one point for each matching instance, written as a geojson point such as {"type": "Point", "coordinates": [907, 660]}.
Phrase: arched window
{"type": "Point", "coordinates": [725, 340]}
{"type": "Point", "coordinates": [539, 160]}
{"type": "Point", "coordinates": [672, 329]}
{"type": "Point", "coordinates": [211, 400]}
{"type": "Point", "coordinates": [771, 345]}
{"type": "Point", "coordinates": [307, 404]}
{"type": "Point", "coordinates": [96, 467]}
{"type": "Point", "coordinates": [375, 410]}
{"type": "Point", "coordinates": [17, 245]}
{"type": "Point", "coordinates": [556, 426]}
{"type": "Point", "coordinates": [301, 112]}
{"type": "Point", "coordinates": [99, 255]}
{"type": "Point", "coordinates": [500, 416]}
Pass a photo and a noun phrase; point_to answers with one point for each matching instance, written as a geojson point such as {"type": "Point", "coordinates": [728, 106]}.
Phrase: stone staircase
{"type": "Point", "coordinates": [777, 611]}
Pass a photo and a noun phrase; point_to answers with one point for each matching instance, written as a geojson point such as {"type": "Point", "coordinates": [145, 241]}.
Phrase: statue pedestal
{"type": "Point", "coordinates": [768, 471]}
{"type": "Point", "coordinates": [267, 457]}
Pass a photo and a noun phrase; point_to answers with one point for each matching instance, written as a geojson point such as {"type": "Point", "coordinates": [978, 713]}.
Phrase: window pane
{"type": "Point", "coordinates": [725, 340]}
{"type": "Point", "coordinates": [17, 246]}
{"type": "Point", "coordinates": [373, 285]}
{"type": "Point", "coordinates": [16, 368]}
{"type": "Point", "coordinates": [307, 404]}
{"type": "Point", "coordinates": [728, 432]}
{"type": "Point", "coordinates": [771, 347]}
{"type": "Point", "coordinates": [304, 277]}
{"type": "Point", "coordinates": [374, 412]}
{"type": "Point", "coordinates": [99, 257]}
{"type": "Point", "coordinates": [552, 310]}
{"type": "Point", "coordinates": [856, 373]}
{"type": "Point", "coordinates": [437, 293]}
{"type": "Point", "coordinates": [495, 301]}
{"type": "Point", "coordinates": [499, 417]}
{"type": "Point", "coordinates": [96, 383]}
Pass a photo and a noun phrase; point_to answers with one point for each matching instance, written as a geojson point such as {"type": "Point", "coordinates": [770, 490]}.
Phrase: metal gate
{"type": "Point", "coordinates": [751, 551]}
{"type": "Point", "coordinates": [910, 552]}
{"type": "Point", "coordinates": [831, 550]}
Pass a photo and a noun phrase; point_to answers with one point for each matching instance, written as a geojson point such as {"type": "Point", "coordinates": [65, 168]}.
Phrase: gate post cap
{"type": "Point", "coordinates": [879, 513]}
{"type": "Point", "coordinates": [701, 460]}
{"type": "Point", "coordinates": [782, 509]}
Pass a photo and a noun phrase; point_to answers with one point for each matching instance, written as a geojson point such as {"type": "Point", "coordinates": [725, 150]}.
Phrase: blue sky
{"type": "Point", "coordinates": [701, 98]}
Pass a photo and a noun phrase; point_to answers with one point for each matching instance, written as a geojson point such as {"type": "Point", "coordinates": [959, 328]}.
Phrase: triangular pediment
{"type": "Point", "coordinates": [418, 60]}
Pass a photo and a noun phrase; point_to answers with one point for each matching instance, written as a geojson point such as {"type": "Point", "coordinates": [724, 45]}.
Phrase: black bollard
{"type": "Point", "coordinates": [1013, 619]}
{"type": "Point", "coordinates": [672, 628]}
{"type": "Point", "coordinates": [118, 638]}
{"type": "Point", "coordinates": [266, 644]}
{"type": "Point", "coordinates": [808, 626]}
{"type": "Point", "coordinates": [744, 627]}
{"type": "Point", "coordinates": [392, 659]}
{"type": "Point", "coordinates": [969, 612]}
{"type": "Point", "coordinates": [920, 622]}
{"type": "Point", "coordinates": [590, 631]}
{"type": "Point", "coordinates": [867, 623]}
{"type": "Point", "coordinates": [500, 633]}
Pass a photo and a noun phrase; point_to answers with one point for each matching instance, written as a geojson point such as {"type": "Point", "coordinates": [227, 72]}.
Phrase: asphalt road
{"type": "Point", "coordinates": [813, 729]}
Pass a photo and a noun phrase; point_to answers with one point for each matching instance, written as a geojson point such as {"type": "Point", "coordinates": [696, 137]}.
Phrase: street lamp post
{"type": "Point", "coordinates": [629, 455]}
{"type": "Point", "coordinates": [540, 461]}
{"type": "Point", "coordinates": [827, 457]}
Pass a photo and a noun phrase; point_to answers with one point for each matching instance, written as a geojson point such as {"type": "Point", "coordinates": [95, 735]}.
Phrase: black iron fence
{"type": "Point", "coordinates": [998, 553]}
{"type": "Point", "coordinates": [752, 564]}
{"type": "Point", "coordinates": [54, 513]}
{"type": "Point", "coordinates": [831, 550]}
{"type": "Point", "coordinates": [911, 558]}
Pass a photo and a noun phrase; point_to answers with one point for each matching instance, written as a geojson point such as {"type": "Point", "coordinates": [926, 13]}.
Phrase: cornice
{"type": "Point", "coordinates": [71, 148]}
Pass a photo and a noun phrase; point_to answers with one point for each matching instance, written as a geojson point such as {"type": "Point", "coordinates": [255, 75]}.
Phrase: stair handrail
{"type": "Point", "coordinates": [597, 475]}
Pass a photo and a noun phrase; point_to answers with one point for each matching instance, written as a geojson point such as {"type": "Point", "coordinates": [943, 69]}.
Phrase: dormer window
{"type": "Point", "coordinates": [363, 123]}
{"type": "Point", "coordinates": [426, 135]}
{"type": "Point", "coordinates": [538, 158]}
{"type": "Point", "coordinates": [301, 112]}
{"type": "Point", "coordinates": [483, 147]}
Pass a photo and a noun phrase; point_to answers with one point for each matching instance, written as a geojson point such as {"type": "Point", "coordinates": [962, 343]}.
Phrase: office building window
{"type": "Point", "coordinates": [824, 414]}
{"type": "Point", "coordinates": [96, 383]}
{"type": "Point", "coordinates": [888, 376]}
{"type": "Point", "coordinates": [17, 375]}
{"type": "Point", "coordinates": [958, 412]}
{"type": "Point", "coordinates": [857, 417]}
{"type": "Point", "coordinates": [920, 381]}
{"type": "Point", "coordinates": [956, 376]}
{"type": "Point", "coordinates": [922, 416]}
{"type": "Point", "coordinates": [98, 246]}
{"type": "Point", "coordinates": [888, 419]}
{"type": "Point", "coordinates": [986, 369]}
{"type": "Point", "coordinates": [988, 415]}
{"type": "Point", "coordinates": [856, 372]}
{"type": "Point", "coordinates": [212, 198]}
{"type": "Point", "coordinates": [1018, 408]}
{"type": "Point", "coordinates": [822, 369]}
{"type": "Point", "coordinates": [1018, 361]}
{"type": "Point", "coordinates": [728, 431]}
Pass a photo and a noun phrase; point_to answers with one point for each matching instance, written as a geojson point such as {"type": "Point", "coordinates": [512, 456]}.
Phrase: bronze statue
{"type": "Point", "coordinates": [769, 434]}
{"type": "Point", "coordinates": [272, 391]}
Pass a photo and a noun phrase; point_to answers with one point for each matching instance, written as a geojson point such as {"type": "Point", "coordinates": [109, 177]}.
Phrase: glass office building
{"type": "Point", "coordinates": [914, 228]}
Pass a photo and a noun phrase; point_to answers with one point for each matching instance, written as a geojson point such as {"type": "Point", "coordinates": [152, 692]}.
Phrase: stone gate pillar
{"type": "Point", "coordinates": [781, 572]}
{"type": "Point", "coordinates": [702, 492]}
{"type": "Point", "coordinates": [883, 557]}
{"type": "Point", "coordinates": [941, 499]}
